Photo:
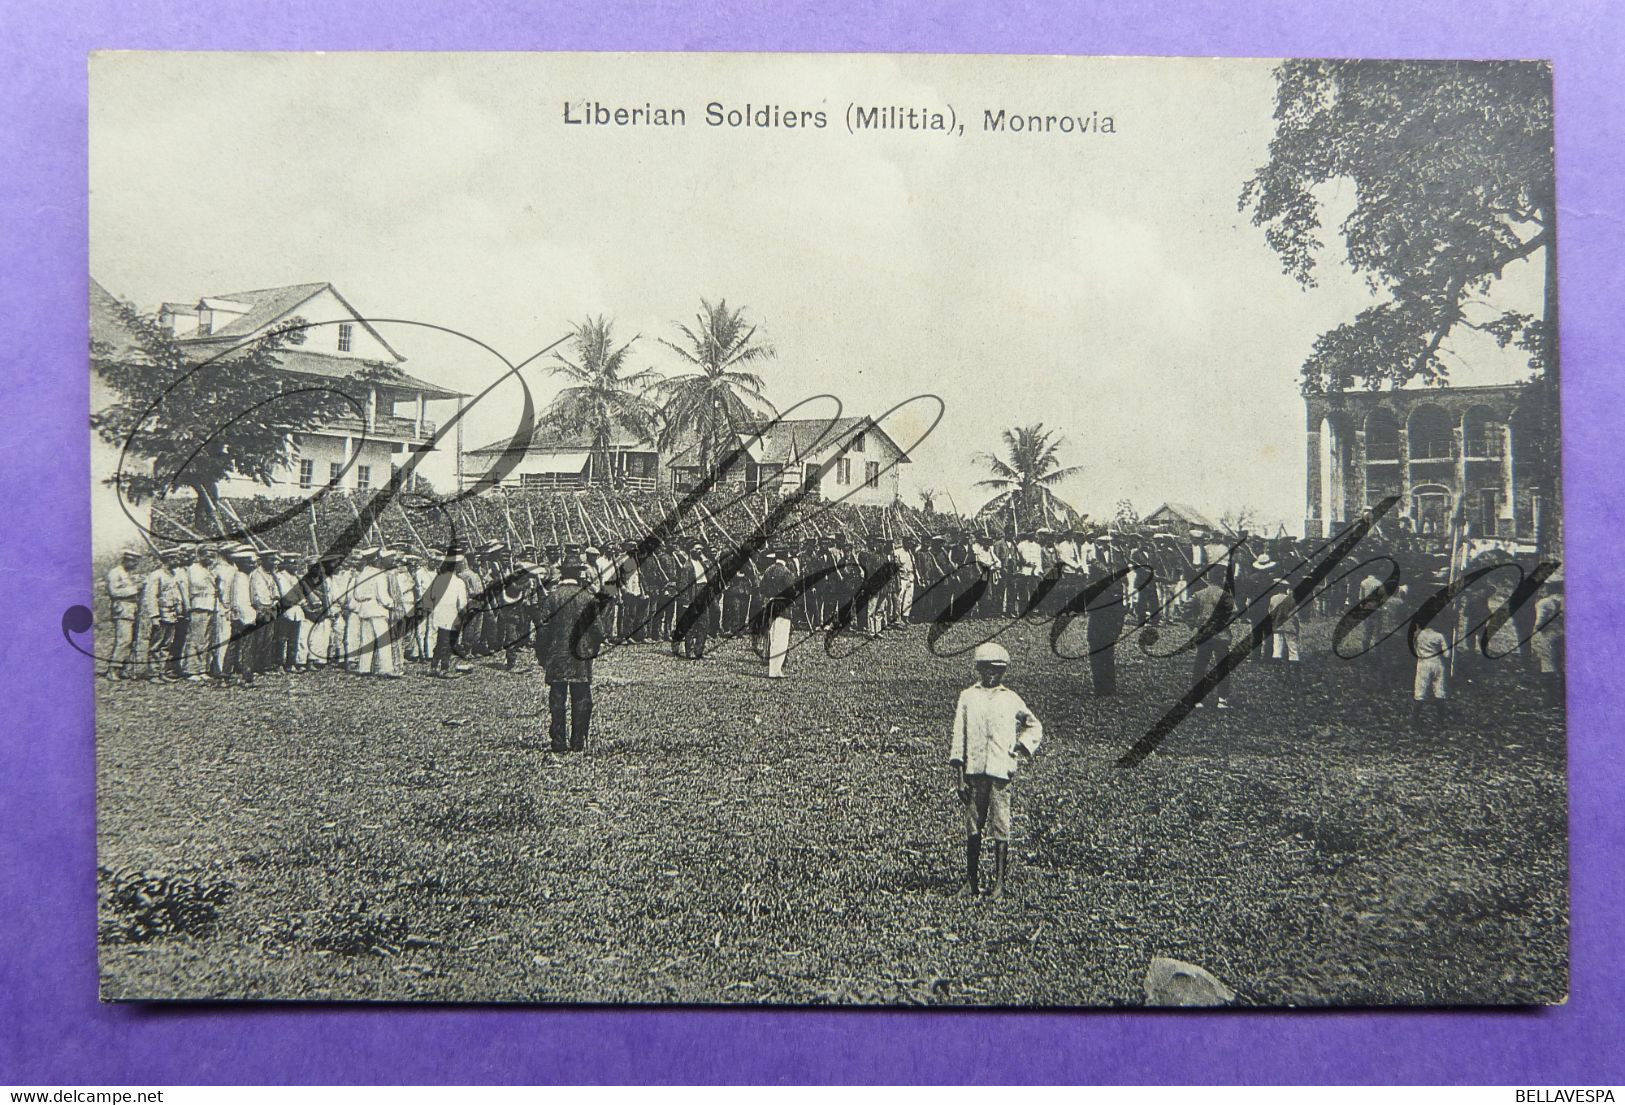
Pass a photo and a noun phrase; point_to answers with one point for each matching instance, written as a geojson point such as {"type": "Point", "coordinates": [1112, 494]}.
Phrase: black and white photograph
{"type": "Point", "coordinates": [803, 529]}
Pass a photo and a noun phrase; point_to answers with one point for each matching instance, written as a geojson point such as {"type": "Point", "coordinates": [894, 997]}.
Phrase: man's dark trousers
{"type": "Point", "coordinates": [577, 697]}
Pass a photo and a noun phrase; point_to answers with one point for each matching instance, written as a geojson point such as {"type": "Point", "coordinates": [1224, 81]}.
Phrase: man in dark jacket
{"type": "Point", "coordinates": [694, 604]}
{"type": "Point", "coordinates": [1106, 614]}
{"type": "Point", "coordinates": [1211, 611]}
{"type": "Point", "coordinates": [568, 636]}
{"type": "Point", "coordinates": [778, 591]}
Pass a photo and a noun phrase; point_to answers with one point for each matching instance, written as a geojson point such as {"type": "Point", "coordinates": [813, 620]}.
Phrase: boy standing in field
{"type": "Point", "coordinates": [993, 732]}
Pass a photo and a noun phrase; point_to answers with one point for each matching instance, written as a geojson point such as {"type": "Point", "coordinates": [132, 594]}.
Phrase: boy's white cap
{"type": "Point", "coordinates": [991, 653]}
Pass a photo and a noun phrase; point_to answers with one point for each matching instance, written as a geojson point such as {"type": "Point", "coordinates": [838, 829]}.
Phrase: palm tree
{"type": "Point", "coordinates": [720, 396]}
{"type": "Point", "coordinates": [1024, 477]}
{"type": "Point", "coordinates": [600, 399]}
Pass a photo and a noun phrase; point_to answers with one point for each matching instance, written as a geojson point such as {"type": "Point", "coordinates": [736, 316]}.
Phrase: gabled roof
{"type": "Point", "coordinates": [1185, 512]}
{"type": "Point", "coordinates": [106, 324]}
{"type": "Point", "coordinates": [307, 363]}
{"type": "Point", "coordinates": [796, 440]}
{"type": "Point", "coordinates": [267, 305]}
{"type": "Point", "coordinates": [549, 438]}
{"type": "Point", "coordinates": [793, 440]}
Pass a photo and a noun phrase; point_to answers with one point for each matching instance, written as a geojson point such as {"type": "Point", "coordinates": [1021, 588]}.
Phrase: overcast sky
{"type": "Point", "coordinates": [1104, 285]}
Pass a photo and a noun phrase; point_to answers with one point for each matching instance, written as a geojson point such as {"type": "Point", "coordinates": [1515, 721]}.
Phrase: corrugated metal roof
{"type": "Point", "coordinates": [549, 437]}
{"type": "Point", "coordinates": [796, 440]}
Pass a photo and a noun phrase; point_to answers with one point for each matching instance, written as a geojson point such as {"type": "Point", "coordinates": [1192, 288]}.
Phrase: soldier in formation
{"type": "Point", "coordinates": [233, 612]}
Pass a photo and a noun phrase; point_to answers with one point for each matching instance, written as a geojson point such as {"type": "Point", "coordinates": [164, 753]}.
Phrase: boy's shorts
{"type": "Point", "coordinates": [987, 810]}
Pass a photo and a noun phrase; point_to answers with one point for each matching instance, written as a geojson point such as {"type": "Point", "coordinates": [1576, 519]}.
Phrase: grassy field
{"type": "Point", "coordinates": [727, 839]}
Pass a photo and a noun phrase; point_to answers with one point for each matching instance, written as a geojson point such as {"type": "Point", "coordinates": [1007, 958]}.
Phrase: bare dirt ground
{"type": "Point", "coordinates": [728, 839]}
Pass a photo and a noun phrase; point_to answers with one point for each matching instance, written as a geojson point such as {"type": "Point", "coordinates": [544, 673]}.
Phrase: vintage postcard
{"type": "Point", "coordinates": [797, 529]}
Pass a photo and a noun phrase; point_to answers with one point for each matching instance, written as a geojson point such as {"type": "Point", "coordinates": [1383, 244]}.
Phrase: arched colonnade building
{"type": "Point", "coordinates": [1426, 445]}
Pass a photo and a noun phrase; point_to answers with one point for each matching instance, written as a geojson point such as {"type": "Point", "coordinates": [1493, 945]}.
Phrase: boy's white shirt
{"type": "Point", "coordinates": [990, 723]}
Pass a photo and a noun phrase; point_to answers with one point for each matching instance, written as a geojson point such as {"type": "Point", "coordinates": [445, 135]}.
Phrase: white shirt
{"type": "Point", "coordinates": [1032, 557]}
{"type": "Point", "coordinates": [287, 582]}
{"type": "Point", "coordinates": [374, 594]}
{"type": "Point", "coordinates": [423, 577]}
{"type": "Point", "coordinates": [1070, 554]}
{"type": "Point", "coordinates": [449, 594]}
{"type": "Point", "coordinates": [241, 599]}
{"type": "Point", "coordinates": [990, 723]}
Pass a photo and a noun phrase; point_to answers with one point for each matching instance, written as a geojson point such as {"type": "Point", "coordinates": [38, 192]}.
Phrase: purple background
{"type": "Point", "coordinates": [51, 1025]}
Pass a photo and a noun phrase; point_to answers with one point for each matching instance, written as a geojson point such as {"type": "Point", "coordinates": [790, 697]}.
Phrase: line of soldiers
{"type": "Point", "coordinates": [230, 612]}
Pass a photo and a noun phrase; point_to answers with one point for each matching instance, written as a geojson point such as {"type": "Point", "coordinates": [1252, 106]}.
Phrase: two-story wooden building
{"type": "Point", "coordinates": [355, 452]}
{"type": "Point", "coordinates": [862, 461]}
{"type": "Point", "coordinates": [853, 460]}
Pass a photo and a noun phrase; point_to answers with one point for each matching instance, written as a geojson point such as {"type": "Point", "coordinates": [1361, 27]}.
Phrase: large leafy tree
{"type": "Point", "coordinates": [1452, 172]}
{"type": "Point", "coordinates": [720, 394]}
{"type": "Point", "coordinates": [602, 396]}
{"type": "Point", "coordinates": [185, 423]}
{"type": "Point", "coordinates": [1024, 479]}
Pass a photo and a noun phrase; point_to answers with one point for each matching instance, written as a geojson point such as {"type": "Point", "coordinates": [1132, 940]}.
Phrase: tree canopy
{"type": "Point", "coordinates": [721, 393]}
{"type": "Point", "coordinates": [602, 396]}
{"type": "Point", "coordinates": [1024, 478]}
{"type": "Point", "coordinates": [201, 421]}
{"type": "Point", "coordinates": [1452, 169]}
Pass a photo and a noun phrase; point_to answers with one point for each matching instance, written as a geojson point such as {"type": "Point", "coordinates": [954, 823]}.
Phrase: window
{"type": "Point", "coordinates": [345, 330]}
{"type": "Point", "coordinates": [333, 470]}
{"type": "Point", "coordinates": [205, 322]}
{"type": "Point", "coordinates": [857, 443]}
{"type": "Point", "coordinates": [843, 471]}
{"type": "Point", "coordinates": [307, 473]}
{"type": "Point", "coordinates": [871, 474]}
{"type": "Point", "coordinates": [363, 477]}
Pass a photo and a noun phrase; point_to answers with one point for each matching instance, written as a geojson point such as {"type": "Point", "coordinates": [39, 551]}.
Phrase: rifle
{"type": "Point", "coordinates": [258, 545]}
{"type": "Point", "coordinates": [424, 549]}
{"type": "Point", "coordinates": [315, 542]}
{"type": "Point", "coordinates": [507, 517]}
